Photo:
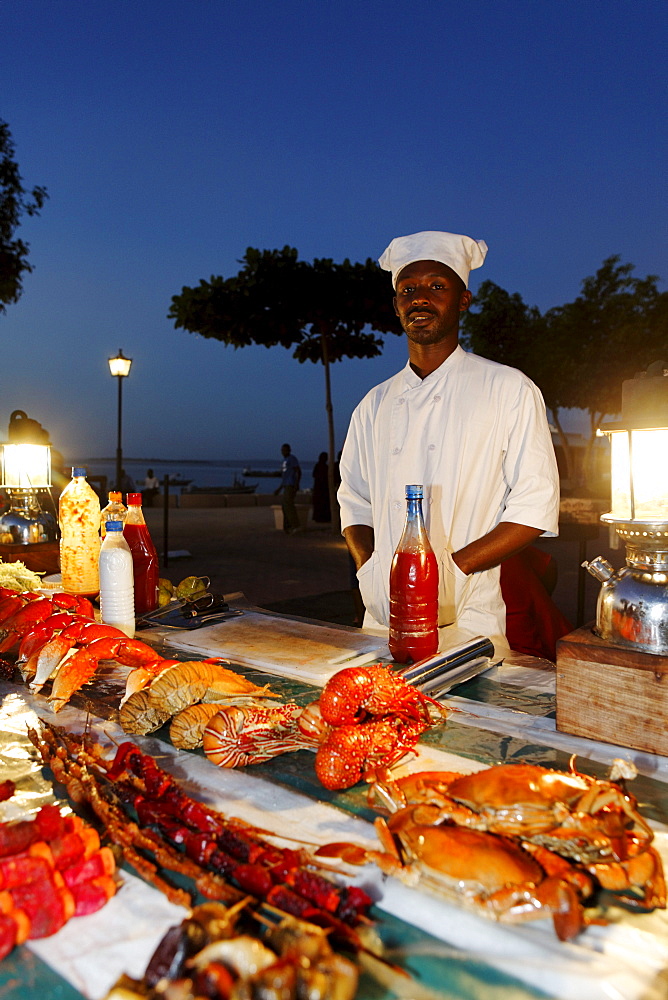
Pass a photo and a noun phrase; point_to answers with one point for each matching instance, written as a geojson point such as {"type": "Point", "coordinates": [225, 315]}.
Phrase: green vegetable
{"type": "Point", "coordinates": [16, 576]}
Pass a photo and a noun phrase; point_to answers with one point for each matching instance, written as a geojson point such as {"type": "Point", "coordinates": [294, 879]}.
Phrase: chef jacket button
{"type": "Point", "coordinates": [397, 505]}
{"type": "Point", "coordinates": [401, 400]}
{"type": "Point", "coordinates": [437, 399]}
{"type": "Point", "coordinates": [432, 447]}
{"type": "Point", "coordinates": [395, 451]}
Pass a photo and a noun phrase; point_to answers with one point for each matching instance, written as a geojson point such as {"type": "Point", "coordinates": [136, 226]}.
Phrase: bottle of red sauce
{"type": "Point", "coordinates": [413, 588]}
{"type": "Point", "coordinates": [144, 556]}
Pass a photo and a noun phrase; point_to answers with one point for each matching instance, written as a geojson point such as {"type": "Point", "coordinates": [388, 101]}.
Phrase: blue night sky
{"type": "Point", "coordinates": [173, 135]}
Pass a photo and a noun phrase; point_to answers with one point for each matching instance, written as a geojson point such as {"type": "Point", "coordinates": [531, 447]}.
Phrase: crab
{"type": "Point", "coordinates": [487, 873]}
{"type": "Point", "coordinates": [582, 818]}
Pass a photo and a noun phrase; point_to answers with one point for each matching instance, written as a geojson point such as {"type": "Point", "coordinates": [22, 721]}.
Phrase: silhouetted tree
{"type": "Point", "coordinates": [15, 202]}
{"type": "Point", "coordinates": [325, 311]}
{"type": "Point", "coordinates": [615, 328]}
{"type": "Point", "coordinates": [579, 353]}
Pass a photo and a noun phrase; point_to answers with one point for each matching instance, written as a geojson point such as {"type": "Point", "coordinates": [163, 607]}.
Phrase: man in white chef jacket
{"type": "Point", "coordinates": [473, 432]}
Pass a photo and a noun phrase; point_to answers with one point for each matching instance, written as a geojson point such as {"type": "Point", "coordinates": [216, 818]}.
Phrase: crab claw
{"type": "Point", "coordinates": [563, 903]}
{"type": "Point", "coordinates": [79, 668]}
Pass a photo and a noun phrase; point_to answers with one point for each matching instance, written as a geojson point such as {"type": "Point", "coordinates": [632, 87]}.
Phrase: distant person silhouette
{"type": "Point", "coordinates": [322, 511]}
{"type": "Point", "coordinates": [291, 477]}
{"type": "Point", "coordinates": [151, 488]}
{"type": "Point", "coordinates": [127, 483]}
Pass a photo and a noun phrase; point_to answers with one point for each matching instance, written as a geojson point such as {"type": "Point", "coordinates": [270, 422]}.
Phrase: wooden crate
{"type": "Point", "coordinates": [612, 694]}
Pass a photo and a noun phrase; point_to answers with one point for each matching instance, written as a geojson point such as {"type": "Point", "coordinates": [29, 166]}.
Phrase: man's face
{"type": "Point", "coordinates": [429, 299]}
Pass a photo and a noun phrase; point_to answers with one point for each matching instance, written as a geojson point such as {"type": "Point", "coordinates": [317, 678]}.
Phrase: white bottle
{"type": "Point", "coordinates": [117, 590]}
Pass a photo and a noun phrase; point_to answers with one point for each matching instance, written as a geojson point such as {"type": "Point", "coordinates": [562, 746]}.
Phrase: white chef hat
{"type": "Point", "coordinates": [461, 253]}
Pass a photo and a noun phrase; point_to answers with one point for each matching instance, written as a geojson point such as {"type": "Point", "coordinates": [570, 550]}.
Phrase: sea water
{"type": "Point", "coordinates": [214, 474]}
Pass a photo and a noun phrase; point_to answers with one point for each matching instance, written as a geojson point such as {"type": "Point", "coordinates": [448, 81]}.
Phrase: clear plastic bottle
{"type": "Point", "coordinates": [114, 511]}
{"type": "Point", "coordinates": [117, 595]}
{"type": "Point", "coordinates": [79, 519]}
{"type": "Point", "coordinates": [144, 556]}
{"type": "Point", "coordinates": [413, 588]}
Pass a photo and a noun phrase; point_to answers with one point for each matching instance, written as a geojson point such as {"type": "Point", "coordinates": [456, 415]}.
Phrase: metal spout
{"type": "Point", "coordinates": [599, 568]}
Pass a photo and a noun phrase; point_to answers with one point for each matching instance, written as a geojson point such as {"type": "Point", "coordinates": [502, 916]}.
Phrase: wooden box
{"type": "Point", "coordinates": [610, 693]}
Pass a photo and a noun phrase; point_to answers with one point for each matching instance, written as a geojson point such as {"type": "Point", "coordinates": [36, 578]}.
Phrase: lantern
{"type": "Point", "coordinates": [632, 608]}
{"type": "Point", "coordinates": [26, 470]}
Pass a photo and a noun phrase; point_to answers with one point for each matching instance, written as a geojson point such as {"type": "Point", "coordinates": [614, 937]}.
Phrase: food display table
{"type": "Point", "coordinates": [505, 715]}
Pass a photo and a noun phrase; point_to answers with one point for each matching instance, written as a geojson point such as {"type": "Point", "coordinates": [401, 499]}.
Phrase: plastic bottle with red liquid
{"type": "Point", "coordinates": [144, 557]}
{"type": "Point", "coordinates": [413, 588]}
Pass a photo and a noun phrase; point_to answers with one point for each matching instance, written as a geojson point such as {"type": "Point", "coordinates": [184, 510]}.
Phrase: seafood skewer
{"type": "Point", "coordinates": [209, 955]}
{"type": "Point", "coordinates": [192, 838]}
{"type": "Point", "coordinates": [83, 785]}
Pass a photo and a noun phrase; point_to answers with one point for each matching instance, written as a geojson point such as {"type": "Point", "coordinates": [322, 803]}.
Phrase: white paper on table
{"type": "Point", "coordinates": [278, 645]}
{"type": "Point", "coordinates": [92, 952]}
{"type": "Point", "coordinates": [625, 961]}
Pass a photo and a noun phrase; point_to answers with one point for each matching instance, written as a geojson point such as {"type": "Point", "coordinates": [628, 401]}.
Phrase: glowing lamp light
{"type": "Point", "coordinates": [632, 607]}
{"type": "Point", "coordinates": [639, 478]}
{"type": "Point", "coordinates": [120, 365]}
{"type": "Point", "coordinates": [26, 466]}
{"type": "Point", "coordinates": [25, 461]}
{"type": "Point", "coordinates": [120, 369]}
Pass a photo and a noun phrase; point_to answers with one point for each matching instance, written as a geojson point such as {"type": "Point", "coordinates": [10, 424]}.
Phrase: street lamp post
{"type": "Point", "coordinates": [120, 368]}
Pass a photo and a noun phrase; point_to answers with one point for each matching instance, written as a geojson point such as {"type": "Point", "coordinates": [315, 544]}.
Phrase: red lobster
{"type": "Point", "coordinates": [376, 718]}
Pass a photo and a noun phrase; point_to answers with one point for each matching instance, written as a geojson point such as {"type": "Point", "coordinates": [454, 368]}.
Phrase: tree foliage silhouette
{"type": "Point", "coordinates": [323, 311]}
{"type": "Point", "coordinates": [15, 202]}
{"type": "Point", "coordinates": [578, 353]}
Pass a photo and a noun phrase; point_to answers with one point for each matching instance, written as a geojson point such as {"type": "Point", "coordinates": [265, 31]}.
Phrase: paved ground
{"type": "Point", "coordinates": [307, 574]}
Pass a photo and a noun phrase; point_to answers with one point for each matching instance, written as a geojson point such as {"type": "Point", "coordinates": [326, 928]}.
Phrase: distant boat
{"type": "Point", "coordinates": [179, 481]}
{"type": "Point", "coordinates": [238, 486]}
{"type": "Point", "coordinates": [260, 472]}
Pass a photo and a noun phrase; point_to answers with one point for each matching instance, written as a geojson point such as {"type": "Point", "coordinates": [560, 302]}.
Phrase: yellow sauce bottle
{"type": "Point", "coordinates": [79, 519]}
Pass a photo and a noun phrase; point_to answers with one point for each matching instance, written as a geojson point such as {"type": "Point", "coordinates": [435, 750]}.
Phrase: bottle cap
{"type": "Point", "coordinates": [78, 470]}
{"type": "Point", "coordinates": [414, 492]}
{"type": "Point", "coordinates": [134, 499]}
{"type": "Point", "coordinates": [115, 497]}
{"type": "Point", "coordinates": [114, 526]}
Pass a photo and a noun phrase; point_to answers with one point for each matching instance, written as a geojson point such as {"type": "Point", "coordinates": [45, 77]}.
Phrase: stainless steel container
{"type": "Point", "coordinates": [25, 523]}
{"type": "Point", "coordinates": [632, 607]}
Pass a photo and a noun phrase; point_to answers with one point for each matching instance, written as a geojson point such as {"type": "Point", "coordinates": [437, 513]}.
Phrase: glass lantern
{"type": "Point", "coordinates": [632, 607]}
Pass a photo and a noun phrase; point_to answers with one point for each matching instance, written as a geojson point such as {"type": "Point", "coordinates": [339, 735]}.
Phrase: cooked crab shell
{"type": "Point", "coordinates": [186, 683]}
